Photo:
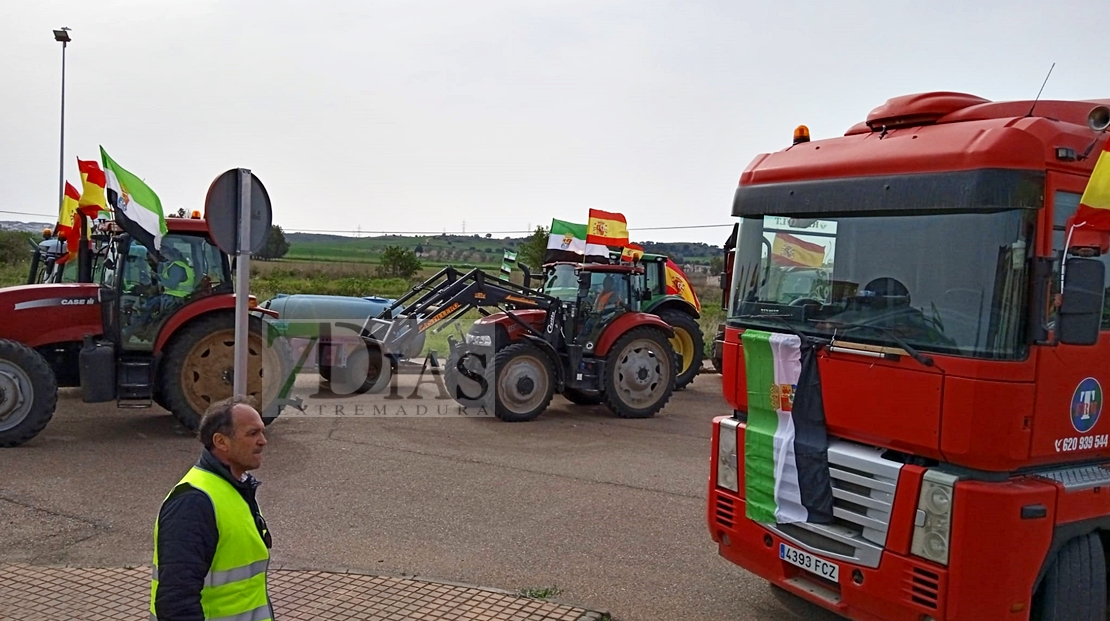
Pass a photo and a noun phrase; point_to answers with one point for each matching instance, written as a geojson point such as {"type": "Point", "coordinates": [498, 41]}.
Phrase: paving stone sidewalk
{"type": "Point", "coordinates": [36, 593]}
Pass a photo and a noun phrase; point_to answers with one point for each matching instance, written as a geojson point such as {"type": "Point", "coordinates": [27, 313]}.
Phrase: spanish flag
{"type": "Point", "coordinates": [606, 228]}
{"type": "Point", "coordinates": [631, 252]}
{"type": "Point", "coordinates": [69, 222]}
{"type": "Point", "coordinates": [1094, 207]}
{"type": "Point", "coordinates": [678, 284]}
{"type": "Point", "coordinates": [93, 197]}
{"type": "Point", "coordinates": [789, 250]}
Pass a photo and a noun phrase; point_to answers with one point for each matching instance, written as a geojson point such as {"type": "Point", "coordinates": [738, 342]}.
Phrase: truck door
{"type": "Point", "coordinates": [1068, 413]}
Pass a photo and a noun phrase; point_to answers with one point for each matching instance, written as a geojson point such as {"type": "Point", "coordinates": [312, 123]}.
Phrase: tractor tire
{"type": "Point", "coordinates": [200, 363]}
{"type": "Point", "coordinates": [1074, 588]}
{"type": "Point", "coordinates": [28, 393]}
{"type": "Point", "coordinates": [466, 391]}
{"type": "Point", "coordinates": [688, 343]}
{"type": "Point", "coordinates": [639, 373]}
{"type": "Point", "coordinates": [524, 382]}
{"type": "Point", "coordinates": [579, 397]}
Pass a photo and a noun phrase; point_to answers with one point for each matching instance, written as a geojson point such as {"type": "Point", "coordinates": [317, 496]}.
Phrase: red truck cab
{"type": "Point", "coordinates": [928, 252]}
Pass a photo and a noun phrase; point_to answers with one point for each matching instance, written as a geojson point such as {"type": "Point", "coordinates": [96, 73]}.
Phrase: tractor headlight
{"type": "Point", "coordinates": [728, 475]}
{"type": "Point", "coordinates": [932, 529]}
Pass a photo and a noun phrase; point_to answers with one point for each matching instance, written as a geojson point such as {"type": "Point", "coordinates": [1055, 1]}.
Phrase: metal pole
{"type": "Point", "coordinates": [62, 147]}
{"type": "Point", "coordinates": [242, 283]}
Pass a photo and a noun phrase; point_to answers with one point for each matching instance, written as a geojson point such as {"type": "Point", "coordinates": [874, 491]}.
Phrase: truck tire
{"type": "Point", "coordinates": [28, 393]}
{"type": "Point", "coordinates": [579, 397]}
{"type": "Point", "coordinates": [639, 374]}
{"type": "Point", "coordinates": [525, 382]}
{"type": "Point", "coordinates": [688, 343]}
{"type": "Point", "coordinates": [1074, 588]}
{"type": "Point", "coordinates": [199, 369]}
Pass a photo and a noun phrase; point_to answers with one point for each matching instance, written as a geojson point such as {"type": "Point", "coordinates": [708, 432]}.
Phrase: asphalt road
{"type": "Point", "coordinates": [609, 511]}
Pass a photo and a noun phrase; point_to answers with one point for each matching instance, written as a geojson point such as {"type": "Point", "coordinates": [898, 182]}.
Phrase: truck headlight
{"type": "Point", "coordinates": [727, 467]}
{"type": "Point", "coordinates": [933, 524]}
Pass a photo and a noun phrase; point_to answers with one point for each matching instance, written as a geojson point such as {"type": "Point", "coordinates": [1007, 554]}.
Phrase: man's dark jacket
{"type": "Point", "coordinates": [187, 543]}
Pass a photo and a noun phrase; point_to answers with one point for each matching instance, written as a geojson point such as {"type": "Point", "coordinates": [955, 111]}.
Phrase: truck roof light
{"type": "Point", "coordinates": [801, 134]}
{"type": "Point", "coordinates": [196, 214]}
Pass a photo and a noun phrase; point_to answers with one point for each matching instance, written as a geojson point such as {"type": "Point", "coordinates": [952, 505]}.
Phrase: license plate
{"type": "Point", "coordinates": [809, 562]}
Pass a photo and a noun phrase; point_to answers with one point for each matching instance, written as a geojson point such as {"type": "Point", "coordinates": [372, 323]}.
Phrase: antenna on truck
{"type": "Point", "coordinates": [1040, 91]}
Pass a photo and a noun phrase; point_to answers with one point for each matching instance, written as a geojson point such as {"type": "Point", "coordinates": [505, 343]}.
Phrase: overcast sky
{"type": "Point", "coordinates": [420, 116]}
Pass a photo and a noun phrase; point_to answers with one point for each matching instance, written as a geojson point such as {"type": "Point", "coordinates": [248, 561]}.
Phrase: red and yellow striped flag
{"type": "Point", "coordinates": [678, 284]}
{"type": "Point", "coordinates": [789, 250]}
{"type": "Point", "coordinates": [606, 228]}
{"type": "Point", "coordinates": [69, 222]}
{"type": "Point", "coordinates": [631, 252]}
{"type": "Point", "coordinates": [93, 197]}
{"type": "Point", "coordinates": [1094, 207]}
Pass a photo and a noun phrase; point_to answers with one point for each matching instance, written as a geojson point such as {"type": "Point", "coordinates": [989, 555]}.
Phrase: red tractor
{"type": "Point", "coordinates": [148, 328]}
{"type": "Point", "coordinates": [582, 336]}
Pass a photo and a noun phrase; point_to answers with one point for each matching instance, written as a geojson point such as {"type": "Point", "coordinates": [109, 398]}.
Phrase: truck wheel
{"type": "Point", "coordinates": [639, 374]}
{"type": "Point", "coordinates": [1074, 588]}
{"type": "Point", "coordinates": [28, 393]}
{"type": "Point", "coordinates": [579, 397]}
{"type": "Point", "coordinates": [688, 343]}
{"type": "Point", "coordinates": [199, 369]}
{"type": "Point", "coordinates": [524, 383]}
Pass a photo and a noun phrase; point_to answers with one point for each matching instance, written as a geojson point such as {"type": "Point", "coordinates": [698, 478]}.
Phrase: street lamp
{"type": "Point", "coordinates": [62, 36]}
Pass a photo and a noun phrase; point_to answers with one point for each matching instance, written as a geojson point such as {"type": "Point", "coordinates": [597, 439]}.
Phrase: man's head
{"type": "Point", "coordinates": [232, 430]}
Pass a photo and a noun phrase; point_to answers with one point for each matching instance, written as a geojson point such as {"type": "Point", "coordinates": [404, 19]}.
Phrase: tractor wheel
{"type": "Point", "coordinates": [524, 383]}
{"type": "Point", "coordinates": [1074, 588]}
{"type": "Point", "coordinates": [579, 397]}
{"type": "Point", "coordinates": [639, 373]}
{"type": "Point", "coordinates": [199, 369]}
{"type": "Point", "coordinates": [28, 393]}
{"type": "Point", "coordinates": [688, 343]}
{"type": "Point", "coordinates": [363, 373]}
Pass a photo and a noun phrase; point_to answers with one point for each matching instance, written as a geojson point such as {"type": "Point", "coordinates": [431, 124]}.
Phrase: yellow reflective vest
{"type": "Point", "coordinates": [183, 288]}
{"type": "Point", "coordinates": [235, 587]}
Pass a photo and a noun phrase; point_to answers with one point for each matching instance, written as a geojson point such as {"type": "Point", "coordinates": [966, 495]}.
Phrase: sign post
{"type": "Point", "coordinates": [242, 282]}
{"type": "Point", "coordinates": [239, 215]}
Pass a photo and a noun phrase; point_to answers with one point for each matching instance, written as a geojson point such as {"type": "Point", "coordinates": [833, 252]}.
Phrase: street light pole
{"type": "Point", "coordinates": [62, 36]}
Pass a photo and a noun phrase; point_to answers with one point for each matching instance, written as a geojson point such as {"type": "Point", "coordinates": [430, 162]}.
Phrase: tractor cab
{"type": "Point", "coordinates": [597, 292]}
{"type": "Point", "coordinates": [150, 287]}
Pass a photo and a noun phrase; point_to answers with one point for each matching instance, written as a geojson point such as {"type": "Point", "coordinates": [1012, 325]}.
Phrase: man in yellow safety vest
{"type": "Point", "coordinates": [211, 543]}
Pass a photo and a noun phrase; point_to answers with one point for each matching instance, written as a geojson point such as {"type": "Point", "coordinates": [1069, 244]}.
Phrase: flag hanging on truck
{"type": "Point", "coordinates": [786, 469]}
{"type": "Point", "coordinates": [137, 208]}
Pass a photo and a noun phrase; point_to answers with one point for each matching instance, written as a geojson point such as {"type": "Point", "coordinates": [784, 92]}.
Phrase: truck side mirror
{"type": "Point", "coordinates": [1080, 315]}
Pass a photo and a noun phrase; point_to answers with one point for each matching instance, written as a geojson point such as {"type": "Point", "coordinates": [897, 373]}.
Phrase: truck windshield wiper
{"type": "Point", "coordinates": [893, 336]}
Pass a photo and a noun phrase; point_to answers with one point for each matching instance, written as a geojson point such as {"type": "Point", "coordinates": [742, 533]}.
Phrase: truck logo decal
{"type": "Point", "coordinates": [1086, 405]}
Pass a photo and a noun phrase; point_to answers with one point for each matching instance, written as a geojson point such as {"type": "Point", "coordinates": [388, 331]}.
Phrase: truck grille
{"type": "Point", "coordinates": [863, 496]}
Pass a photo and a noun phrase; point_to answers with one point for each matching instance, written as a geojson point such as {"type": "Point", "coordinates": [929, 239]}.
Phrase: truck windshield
{"type": "Point", "coordinates": [947, 283]}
